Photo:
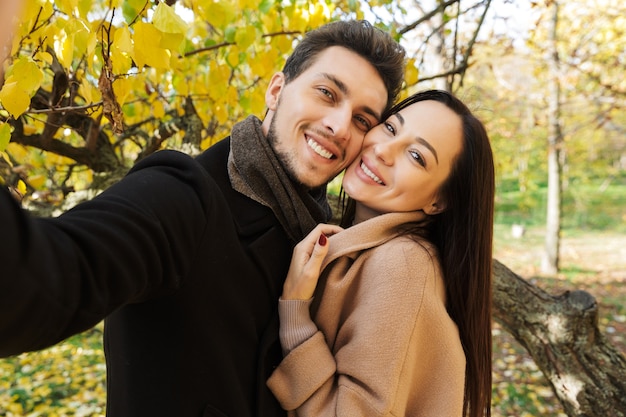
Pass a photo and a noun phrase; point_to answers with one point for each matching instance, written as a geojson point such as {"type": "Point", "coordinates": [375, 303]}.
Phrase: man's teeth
{"type": "Point", "coordinates": [370, 174]}
{"type": "Point", "coordinates": [319, 150]}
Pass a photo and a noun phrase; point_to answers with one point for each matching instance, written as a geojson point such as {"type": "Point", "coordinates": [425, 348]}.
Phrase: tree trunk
{"type": "Point", "coordinates": [550, 261]}
{"type": "Point", "coordinates": [586, 372]}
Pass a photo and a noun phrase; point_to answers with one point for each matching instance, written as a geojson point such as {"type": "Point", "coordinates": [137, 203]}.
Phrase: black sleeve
{"type": "Point", "coordinates": [60, 276]}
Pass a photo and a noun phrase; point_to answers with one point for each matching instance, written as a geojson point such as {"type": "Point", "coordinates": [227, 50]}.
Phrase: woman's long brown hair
{"type": "Point", "coordinates": [463, 235]}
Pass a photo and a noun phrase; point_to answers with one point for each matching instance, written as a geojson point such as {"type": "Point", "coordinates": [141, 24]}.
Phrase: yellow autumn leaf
{"type": "Point", "coordinates": [88, 91]}
{"type": "Point", "coordinates": [282, 43]}
{"type": "Point", "coordinates": [171, 41]}
{"type": "Point", "coordinates": [37, 181]}
{"type": "Point", "coordinates": [122, 88]}
{"type": "Point", "coordinates": [50, 160]}
{"type": "Point", "coordinates": [246, 36]}
{"type": "Point", "coordinates": [265, 64]}
{"type": "Point", "coordinates": [33, 10]}
{"type": "Point", "coordinates": [181, 84]}
{"type": "Point", "coordinates": [218, 80]}
{"type": "Point", "coordinates": [257, 101]}
{"type": "Point", "coordinates": [318, 14]}
{"type": "Point", "coordinates": [80, 180]}
{"type": "Point", "coordinates": [84, 40]}
{"type": "Point", "coordinates": [14, 99]}
{"type": "Point", "coordinates": [297, 21]}
{"type": "Point", "coordinates": [122, 50]}
{"type": "Point", "coordinates": [259, 67]}
{"type": "Point", "coordinates": [220, 14]}
{"type": "Point", "coordinates": [146, 52]}
{"type": "Point", "coordinates": [5, 136]}
{"type": "Point", "coordinates": [29, 129]}
{"type": "Point", "coordinates": [21, 187]}
{"type": "Point", "coordinates": [248, 4]}
{"type": "Point", "coordinates": [85, 6]}
{"type": "Point", "coordinates": [411, 73]}
{"type": "Point", "coordinates": [49, 35]}
{"type": "Point", "coordinates": [233, 56]}
{"type": "Point", "coordinates": [121, 61]}
{"type": "Point", "coordinates": [44, 56]}
{"type": "Point", "coordinates": [66, 6]}
{"type": "Point", "coordinates": [27, 74]}
{"type": "Point", "coordinates": [158, 110]}
{"type": "Point", "coordinates": [64, 47]}
{"type": "Point", "coordinates": [17, 151]}
{"type": "Point", "coordinates": [269, 23]}
{"type": "Point", "coordinates": [221, 113]}
{"type": "Point", "coordinates": [166, 20]}
{"type": "Point", "coordinates": [122, 40]}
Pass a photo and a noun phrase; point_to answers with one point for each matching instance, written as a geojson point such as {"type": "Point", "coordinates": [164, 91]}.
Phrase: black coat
{"type": "Point", "coordinates": [186, 271]}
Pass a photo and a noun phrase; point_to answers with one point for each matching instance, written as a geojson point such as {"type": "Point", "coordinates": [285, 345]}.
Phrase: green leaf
{"type": "Point", "coordinates": [229, 34]}
{"type": "Point", "coordinates": [131, 8]}
{"type": "Point", "coordinates": [265, 6]}
{"type": "Point", "coordinates": [5, 136]}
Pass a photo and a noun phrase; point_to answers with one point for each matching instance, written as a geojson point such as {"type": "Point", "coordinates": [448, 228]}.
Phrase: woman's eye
{"type": "Point", "coordinates": [415, 155]}
{"type": "Point", "coordinates": [390, 128]}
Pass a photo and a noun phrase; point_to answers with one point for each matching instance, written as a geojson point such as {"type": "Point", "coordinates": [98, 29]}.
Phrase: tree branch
{"type": "Point", "coordinates": [587, 373]}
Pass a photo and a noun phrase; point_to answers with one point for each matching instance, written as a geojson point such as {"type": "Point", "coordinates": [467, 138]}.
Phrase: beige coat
{"type": "Point", "coordinates": [385, 345]}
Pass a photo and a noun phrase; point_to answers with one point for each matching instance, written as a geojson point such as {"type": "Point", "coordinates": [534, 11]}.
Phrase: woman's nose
{"type": "Point", "coordinates": [384, 151]}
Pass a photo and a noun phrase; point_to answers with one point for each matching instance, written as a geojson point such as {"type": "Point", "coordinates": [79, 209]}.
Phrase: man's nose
{"type": "Point", "coordinates": [339, 122]}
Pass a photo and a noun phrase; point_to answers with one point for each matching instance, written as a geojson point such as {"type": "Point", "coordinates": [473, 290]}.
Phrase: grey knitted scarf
{"type": "Point", "coordinates": [256, 172]}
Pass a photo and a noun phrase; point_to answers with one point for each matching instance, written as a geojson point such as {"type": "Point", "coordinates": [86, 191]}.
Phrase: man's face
{"type": "Point", "coordinates": [316, 122]}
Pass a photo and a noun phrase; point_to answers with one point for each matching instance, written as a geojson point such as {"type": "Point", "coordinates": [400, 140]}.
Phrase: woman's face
{"type": "Point", "coordinates": [405, 160]}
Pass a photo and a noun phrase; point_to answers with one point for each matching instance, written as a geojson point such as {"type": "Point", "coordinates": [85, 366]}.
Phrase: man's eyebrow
{"type": "Point", "coordinates": [420, 139]}
{"type": "Point", "coordinates": [344, 89]}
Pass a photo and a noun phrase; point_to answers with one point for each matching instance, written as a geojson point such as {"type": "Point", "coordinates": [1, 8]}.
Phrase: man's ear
{"type": "Point", "coordinates": [435, 208]}
{"type": "Point", "coordinates": [275, 87]}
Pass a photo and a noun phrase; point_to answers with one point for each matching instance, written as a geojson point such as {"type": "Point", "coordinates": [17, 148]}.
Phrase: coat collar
{"type": "Point", "coordinates": [367, 234]}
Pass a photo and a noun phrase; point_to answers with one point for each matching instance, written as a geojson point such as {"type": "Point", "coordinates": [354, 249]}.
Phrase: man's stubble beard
{"type": "Point", "coordinates": [284, 157]}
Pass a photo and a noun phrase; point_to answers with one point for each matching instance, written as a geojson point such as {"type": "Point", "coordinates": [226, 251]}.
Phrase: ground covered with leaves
{"type": "Point", "coordinates": [69, 379]}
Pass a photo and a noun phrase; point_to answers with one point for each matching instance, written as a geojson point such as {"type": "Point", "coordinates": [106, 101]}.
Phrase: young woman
{"type": "Point", "coordinates": [399, 322]}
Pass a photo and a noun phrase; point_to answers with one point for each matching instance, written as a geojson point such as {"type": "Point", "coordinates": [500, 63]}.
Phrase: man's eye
{"type": "Point", "coordinates": [326, 92]}
{"type": "Point", "coordinates": [363, 122]}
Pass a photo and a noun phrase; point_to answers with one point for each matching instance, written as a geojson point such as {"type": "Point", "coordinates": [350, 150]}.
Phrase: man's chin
{"type": "Point", "coordinates": [310, 183]}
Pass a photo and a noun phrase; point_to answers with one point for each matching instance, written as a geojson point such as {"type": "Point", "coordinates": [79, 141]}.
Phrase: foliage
{"type": "Point", "coordinates": [92, 86]}
{"type": "Point", "coordinates": [509, 84]}
{"type": "Point", "coordinates": [120, 78]}
{"type": "Point", "coordinates": [64, 380]}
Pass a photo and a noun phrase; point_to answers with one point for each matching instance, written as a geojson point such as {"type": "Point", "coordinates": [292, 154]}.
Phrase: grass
{"type": "Point", "coordinates": [586, 207]}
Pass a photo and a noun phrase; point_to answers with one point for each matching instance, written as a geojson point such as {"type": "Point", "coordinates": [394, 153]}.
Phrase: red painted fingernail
{"type": "Point", "coordinates": [322, 241]}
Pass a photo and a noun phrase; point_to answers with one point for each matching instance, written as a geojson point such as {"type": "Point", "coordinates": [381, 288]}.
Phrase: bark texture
{"type": "Point", "coordinates": [561, 333]}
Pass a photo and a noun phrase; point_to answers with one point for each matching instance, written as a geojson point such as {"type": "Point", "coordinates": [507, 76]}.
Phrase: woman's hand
{"type": "Point", "coordinates": [306, 263]}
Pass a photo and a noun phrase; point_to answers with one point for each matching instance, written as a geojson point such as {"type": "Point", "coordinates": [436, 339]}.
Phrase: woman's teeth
{"type": "Point", "coordinates": [370, 174]}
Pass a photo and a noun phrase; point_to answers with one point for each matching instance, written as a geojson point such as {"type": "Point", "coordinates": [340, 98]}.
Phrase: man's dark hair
{"type": "Point", "coordinates": [359, 36]}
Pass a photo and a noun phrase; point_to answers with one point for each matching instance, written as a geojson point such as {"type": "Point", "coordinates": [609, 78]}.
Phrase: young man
{"type": "Point", "coordinates": [186, 258]}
